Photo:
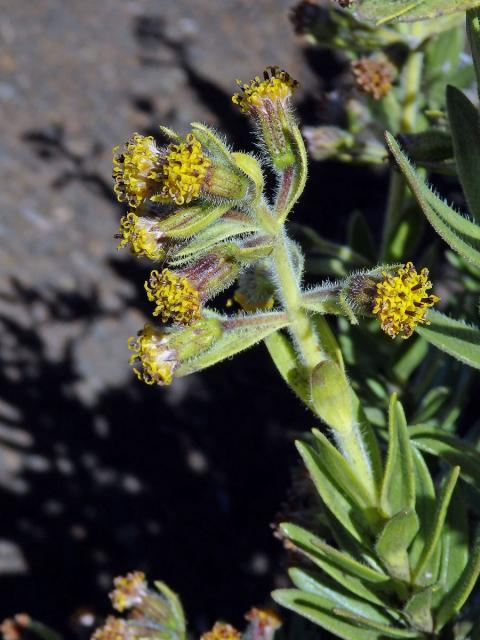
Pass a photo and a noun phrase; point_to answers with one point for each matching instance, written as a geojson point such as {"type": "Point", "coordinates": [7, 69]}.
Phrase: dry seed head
{"type": "Point", "coordinates": [175, 298]}
{"type": "Point", "coordinates": [135, 169]}
{"type": "Point", "coordinates": [221, 631]}
{"type": "Point", "coordinates": [276, 86]}
{"type": "Point", "coordinates": [184, 171]}
{"type": "Point", "coordinates": [401, 300]}
{"type": "Point", "coordinates": [129, 591]}
{"type": "Point", "coordinates": [374, 76]}
{"type": "Point", "coordinates": [154, 362]}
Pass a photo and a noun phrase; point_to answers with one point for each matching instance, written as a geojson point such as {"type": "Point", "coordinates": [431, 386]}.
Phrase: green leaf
{"type": "Point", "coordinates": [457, 231]}
{"type": "Point", "coordinates": [389, 631]}
{"type": "Point", "coordinates": [393, 542]}
{"type": "Point", "coordinates": [318, 602]}
{"type": "Point", "coordinates": [455, 337]}
{"type": "Point", "coordinates": [431, 404]}
{"type": "Point", "coordinates": [382, 11]}
{"type": "Point", "coordinates": [344, 474]}
{"type": "Point", "coordinates": [174, 604]}
{"type": "Point", "coordinates": [419, 610]}
{"type": "Point", "coordinates": [289, 366]}
{"type": "Point", "coordinates": [465, 128]}
{"type": "Point", "coordinates": [455, 600]}
{"type": "Point", "coordinates": [454, 547]}
{"type": "Point", "coordinates": [424, 507]}
{"type": "Point", "coordinates": [350, 574]}
{"type": "Point", "coordinates": [421, 571]}
{"type": "Point", "coordinates": [452, 449]}
{"type": "Point", "coordinates": [473, 33]}
{"type": "Point", "coordinates": [340, 505]}
{"type": "Point", "coordinates": [331, 396]}
{"type": "Point", "coordinates": [398, 487]}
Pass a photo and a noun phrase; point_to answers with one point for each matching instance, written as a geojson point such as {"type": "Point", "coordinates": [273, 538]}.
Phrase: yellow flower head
{"type": "Point", "coordinates": [175, 298]}
{"type": "Point", "coordinates": [402, 300]}
{"type": "Point", "coordinates": [221, 631]}
{"type": "Point", "coordinates": [184, 171]}
{"type": "Point", "coordinates": [157, 360]}
{"type": "Point", "coordinates": [135, 169]}
{"type": "Point", "coordinates": [141, 235]}
{"type": "Point", "coordinates": [276, 86]}
{"type": "Point", "coordinates": [129, 591]}
{"type": "Point", "coordinates": [113, 629]}
{"type": "Point", "coordinates": [265, 619]}
{"type": "Point", "coordinates": [374, 75]}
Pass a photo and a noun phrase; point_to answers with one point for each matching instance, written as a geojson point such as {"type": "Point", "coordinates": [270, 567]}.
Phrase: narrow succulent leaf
{"type": "Point", "coordinates": [344, 474]}
{"type": "Point", "coordinates": [459, 594]}
{"type": "Point", "coordinates": [369, 440]}
{"type": "Point", "coordinates": [455, 337]}
{"type": "Point", "coordinates": [311, 543]}
{"type": "Point", "coordinates": [430, 547]}
{"type": "Point", "coordinates": [386, 630]}
{"type": "Point", "coordinates": [308, 606]}
{"type": "Point", "coordinates": [473, 33]}
{"type": "Point", "coordinates": [412, 357]}
{"type": "Point", "coordinates": [398, 487]}
{"type": "Point", "coordinates": [465, 128]}
{"type": "Point", "coordinates": [334, 596]}
{"type": "Point", "coordinates": [455, 547]}
{"type": "Point", "coordinates": [458, 232]}
{"type": "Point", "coordinates": [424, 507]}
{"type": "Point", "coordinates": [350, 574]}
{"type": "Point", "coordinates": [450, 448]}
{"type": "Point", "coordinates": [394, 541]}
{"type": "Point", "coordinates": [383, 11]}
{"type": "Point", "coordinates": [235, 340]}
{"type": "Point", "coordinates": [287, 362]}
{"type": "Point", "coordinates": [343, 509]}
{"type": "Point", "coordinates": [190, 220]}
{"type": "Point", "coordinates": [221, 231]}
{"type": "Point", "coordinates": [419, 610]}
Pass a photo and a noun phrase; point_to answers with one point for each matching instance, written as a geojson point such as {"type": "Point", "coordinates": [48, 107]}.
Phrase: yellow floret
{"type": "Point", "coordinates": [402, 300]}
{"type": "Point", "coordinates": [113, 629]}
{"type": "Point", "coordinates": [221, 631]}
{"type": "Point", "coordinates": [277, 85]}
{"type": "Point", "coordinates": [175, 298]}
{"type": "Point", "coordinates": [156, 358]}
{"type": "Point", "coordinates": [139, 234]}
{"type": "Point", "coordinates": [135, 169]}
{"type": "Point", "coordinates": [129, 590]}
{"type": "Point", "coordinates": [184, 171]}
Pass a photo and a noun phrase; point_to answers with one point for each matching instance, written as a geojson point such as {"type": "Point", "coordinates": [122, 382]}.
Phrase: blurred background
{"type": "Point", "coordinates": [100, 474]}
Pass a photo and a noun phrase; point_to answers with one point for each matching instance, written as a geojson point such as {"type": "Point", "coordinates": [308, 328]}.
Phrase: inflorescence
{"type": "Point", "coordinates": [402, 300]}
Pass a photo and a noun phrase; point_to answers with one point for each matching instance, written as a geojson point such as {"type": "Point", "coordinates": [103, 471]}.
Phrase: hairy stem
{"type": "Point", "coordinates": [301, 325]}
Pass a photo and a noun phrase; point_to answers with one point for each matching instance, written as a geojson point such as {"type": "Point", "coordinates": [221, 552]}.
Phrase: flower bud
{"type": "Point", "coordinates": [267, 101]}
{"type": "Point", "coordinates": [158, 353]}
